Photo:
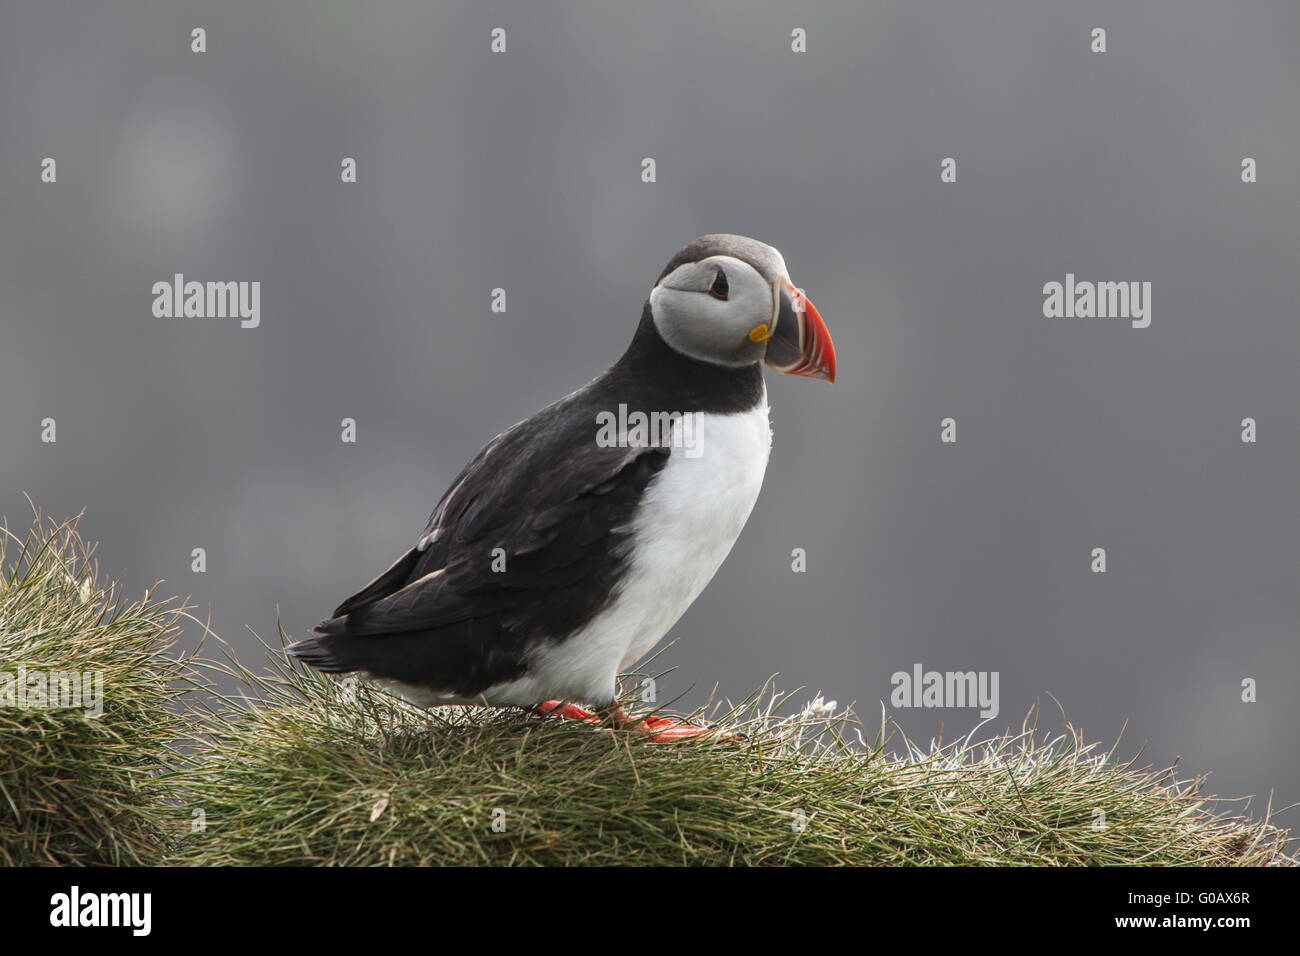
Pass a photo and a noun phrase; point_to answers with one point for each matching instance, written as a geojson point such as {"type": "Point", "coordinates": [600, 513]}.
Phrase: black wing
{"type": "Point", "coordinates": [527, 545]}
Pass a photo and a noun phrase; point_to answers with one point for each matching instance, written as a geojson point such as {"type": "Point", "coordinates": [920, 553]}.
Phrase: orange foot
{"type": "Point", "coordinates": [567, 711]}
{"type": "Point", "coordinates": [661, 729]}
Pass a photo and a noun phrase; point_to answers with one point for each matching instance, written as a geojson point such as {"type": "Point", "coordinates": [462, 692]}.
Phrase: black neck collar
{"type": "Point", "coordinates": [653, 375]}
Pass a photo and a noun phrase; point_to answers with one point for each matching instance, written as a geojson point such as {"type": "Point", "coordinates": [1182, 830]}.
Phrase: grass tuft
{"type": "Point", "coordinates": [312, 771]}
{"type": "Point", "coordinates": [76, 787]}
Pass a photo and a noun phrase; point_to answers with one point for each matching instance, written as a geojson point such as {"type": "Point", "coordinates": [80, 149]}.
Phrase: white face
{"type": "Point", "coordinates": [708, 309]}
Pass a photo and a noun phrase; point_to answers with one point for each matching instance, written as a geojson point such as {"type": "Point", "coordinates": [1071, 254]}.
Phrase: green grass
{"type": "Point", "coordinates": [318, 773]}
{"type": "Point", "coordinates": [296, 768]}
{"type": "Point", "coordinates": [76, 788]}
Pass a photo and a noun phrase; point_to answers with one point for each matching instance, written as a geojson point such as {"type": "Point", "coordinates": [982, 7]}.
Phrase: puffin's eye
{"type": "Point", "coordinates": [719, 288]}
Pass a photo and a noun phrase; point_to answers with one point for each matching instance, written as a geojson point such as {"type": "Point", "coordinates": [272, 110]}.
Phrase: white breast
{"type": "Point", "coordinates": [690, 516]}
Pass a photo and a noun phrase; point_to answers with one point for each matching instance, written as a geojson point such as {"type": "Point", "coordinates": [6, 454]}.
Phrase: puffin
{"type": "Point", "coordinates": [573, 541]}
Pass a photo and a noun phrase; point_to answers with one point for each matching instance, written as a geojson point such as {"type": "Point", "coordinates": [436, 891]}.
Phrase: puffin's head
{"type": "Point", "coordinates": [728, 300]}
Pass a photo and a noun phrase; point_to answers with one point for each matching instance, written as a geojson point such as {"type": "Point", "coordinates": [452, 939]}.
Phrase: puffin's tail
{"type": "Point", "coordinates": [330, 654]}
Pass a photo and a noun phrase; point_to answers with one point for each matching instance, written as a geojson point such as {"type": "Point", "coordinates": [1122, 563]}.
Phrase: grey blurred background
{"type": "Point", "coordinates": [522, 170]}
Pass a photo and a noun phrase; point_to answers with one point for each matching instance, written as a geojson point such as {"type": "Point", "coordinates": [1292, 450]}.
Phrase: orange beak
{"type": "Point", "coordinates": [800, 343]}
